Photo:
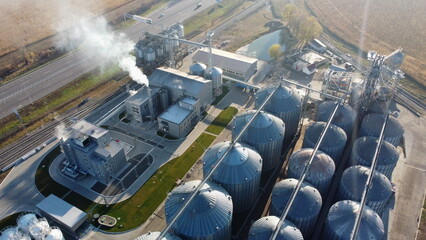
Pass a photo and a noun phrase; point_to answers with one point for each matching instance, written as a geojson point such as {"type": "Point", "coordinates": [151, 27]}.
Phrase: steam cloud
{"type": "Point", "coordinates": [97, 41]}
{"type": "Point", "coordinates": [61, 132]}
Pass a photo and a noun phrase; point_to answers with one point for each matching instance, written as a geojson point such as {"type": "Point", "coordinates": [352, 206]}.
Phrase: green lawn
{"type": "Point", "coordinates": [222, 120]}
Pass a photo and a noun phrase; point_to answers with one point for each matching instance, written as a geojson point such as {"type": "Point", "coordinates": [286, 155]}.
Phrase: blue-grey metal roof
{"type": "Point", "coordinates": [197, 67]}
{"type": "Point", "coordinates": [355, 177]}
{"type": "Point", "coordinates": [142, 95]}
{"type": "Point", "coordinates": [283, 100]}
{"type": "Point", "coordinates": [322, 166]}
{"type": "Point", "coordinates": [344, 117]}
{"type": "Point", "coordinates": [308, 200]}
{"type": "Point", "coordinates": [175, 114]}
{"type": "Point", "coordinates": [264, 128]}
{"type": "Point", "coordinates": [334, 137]}
{"type": "Point", "coordinates": [263, 228]}
{"type": "Point", "coordinates": [209, 212]}
{"type": "Point", "coordinates": [341, 219]}
{"type": "Point", "coordinates": [240, 165]}
{"type": "Point", "coordinates": [373, 123]}
{"type": "Point", "coordinates": [366, 146]}
{"type": "Point", "coordinates": [155, 235]}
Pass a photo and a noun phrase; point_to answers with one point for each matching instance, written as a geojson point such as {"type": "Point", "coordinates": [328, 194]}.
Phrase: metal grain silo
{"type": "Point", "coordinates": [40, 229]}
{"type": "Point", "coordinates": [54, 234]}
{"type": "Point", "coordinates": [239, 173]}
{"type": "Point", "coordinates": [320, 173]}
{"type": "Point", "coordinates": [263, 228]}
{"type": "Point", "coordinates": [155, 235]}
{"type": "Point", "coordinates": [344, 118]}
{"type": "Point", "coordinates": [215, 74]}
{"type": "Point", "coordinates": [305, 209]}
{"type": "Point", "coordinates": [363, 152]}
{"type": "Point", "coordinates": [341, 220]}
{"type": "Point", "coordinates": [207, 217]}
{"type": "Point", "coordinates": [197, 69]}
{"type": "Point", "coordinates": [285, 104]}
{"type": "Point", "coordinates": [25, 221]}
{"type": "Point", "coordinates": [265, 134]}
{"type": "Point", "coordinates": [372, 124]}
{"type": "Point", "coordinates": [13, 233]}
{"type": "Point", "coordinates": [333, 143]}
{"type": "Point", "coordinates": [352, 186]}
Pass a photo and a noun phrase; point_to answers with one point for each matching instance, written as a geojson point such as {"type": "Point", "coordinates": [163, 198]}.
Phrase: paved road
{"type": "Point", "coordinates": [36, 84]}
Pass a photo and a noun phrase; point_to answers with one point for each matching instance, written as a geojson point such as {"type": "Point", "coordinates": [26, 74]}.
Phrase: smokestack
{"type": "Point", "coordinates": [150, 104]}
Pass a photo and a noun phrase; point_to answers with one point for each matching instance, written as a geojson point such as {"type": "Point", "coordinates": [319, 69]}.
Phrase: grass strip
{"type": "Point", "coordinates": [222, 120]}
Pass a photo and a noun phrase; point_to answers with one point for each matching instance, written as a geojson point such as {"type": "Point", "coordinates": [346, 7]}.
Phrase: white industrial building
{"type": "Point", "coordinates": [90, 150]}
{"type": "Point", "coordinates": [233, 65]}
{"type": "Point", "coordinates": [179, 119]}
{"type": "Point", "coordinates": [146, 106]}
{"type": "Point", "coordinates": [308, 62]}
{"type": "Point", "coordinates": [180, 85]}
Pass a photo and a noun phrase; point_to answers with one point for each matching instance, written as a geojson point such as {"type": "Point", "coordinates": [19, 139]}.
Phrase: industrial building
{"type": "Point", "coordinates": [308, 62]}
{"type": "Point", "coordinates": [180, 84]}
{"type": "Point", "coordinates": [234, 66]}
{"type": "Point", "coordinates": [179, 119]}
{"type": "Point", "coordinates": [90, 150]}
{"type": "Point", "coordinates": [317, 45]}
{"type": "Point", "coordinates": [146, 106]}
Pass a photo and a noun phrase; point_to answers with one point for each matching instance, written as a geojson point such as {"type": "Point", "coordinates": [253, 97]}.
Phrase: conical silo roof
{"type": "Point", "coordinates": [372, 124]}
{"type": "Point", "coordinates": [305, 209]}
{"type": "Point", "coordinates": [208, 216]}
{"type": "Point", "coordinates": [352, 185]}
{"type": "Point", "coordinates": [320, 172]}
{"type": "Point", "coordinates": [197, 69]}
{"type": "Point", "coordinates": [344, 118]}
{"type": "Point", "coordinates": [285, 104]}
{"type": "Point", "coordinates": [239, 173]}
{"type": "Point", "coordinates": [341, 220]}
{"type": "Point", "coordinates": [333, 142]}
{"type": "Point", "coordinates": [263, 228]}
{"type": "Point", "coordinates": [363, 153]}
{"type": "Point", "coordinates": [155, 235]}
{"type": "Point", "coordinates": [265, 134]}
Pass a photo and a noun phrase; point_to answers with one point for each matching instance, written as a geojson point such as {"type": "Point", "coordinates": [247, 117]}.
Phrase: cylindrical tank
{"type": "Point", "coordinates": [8, 233]}
{"type": "Point", "coordinates": [285, 104]}
{"type": "Point", "coordinates": [344, 118]}
{"type": "Point", "coordinates": [265, 134]}
{"type": "Point", "coordinates": [215, 74]}
{"type": "Point", "coordinates": [159, 50]}
{"type": "Point", "coordinates": [320, 173]}
{"type": "Point", "coordinates": [150, 54]}
{"type": "Point", "coordinates": [40, 229]}
{"type": "Point", "coordinates": [198, 69]}
{"type": "Point", "coordinates": [381, 96]}
{"type": "Point", "coordinates": [155, 235]}
{"type": "Point", "coordinates": [180, 30]}
{"type": "Point", "coordinates": [164, 96]}
{"type": "Point", "coordinates": [55, 234]}
{"type": "Point", "coordinates": [175, 43]}
{"type": "Point", "coordinates": [207, 217]}
{"type": "Point", "coordinates": [239, 173]}
{"type": "Point", "coordinates": [352, 186]}
{"type": "Point", "coordinates": [305, 209]}
{"type": "Point", "coordinates": [341, 220]}
{"type": "Point", "coordinates": [25, 221]}
{"type": "Point", "coordinates": [372, 125]}
{"type": "Point", "coordinates": [263, 228]}
{"type": "Point", "coordinates": [333, 142]}
{"type": "Point", "coordinates": [363, 152]}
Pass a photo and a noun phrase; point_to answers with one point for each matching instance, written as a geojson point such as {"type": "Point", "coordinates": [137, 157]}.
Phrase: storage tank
{"type": "Point", "coordinates": [180, 30]}
{"type": "Point", "coordinates": [352, 186]}
{"type": "Point", "coordinates": [363, 152]}
{"type": "Point", "coordinates": [13, 233]}
{"type": "Point", "coordinates": [380, 98]}
{"type": "Point", "coordinates": [155, 235]}
{"type": "Point", "coordinates": [333, 143]}
{"type": "Point", "coordinates": [320, 173]}
{"type": "Point", "coordinates": [239, 173]}
{"type": "Point", "coordinates": [285, 104]}
{"type": "Point", "coordinates": [175, 43]}
{"type": "Point", "coordinates": [207, 217]}
{"type": "Point", "coordinates": [305, 209]}
{"type": "Point", "coordinates": [341, 220]}
{"type": "Point", "coordinates": [263, 228]}
{"type": "Point", "coordinates": [215, 74]}
{"type": "Point", "coordinates": [372, 125]}
{"type": "Point", "coordinates": [265, 134]}
{"type": "Point", "coordinates": [159, 50]}
{"type": "Point", "coordinates": [55, 234]}
{"type": "Point", "coordinates": [25, 221]}
{"type": "Point", "coordinates": [150, 54]}
{"type": "Point", "coordinates": [344, 118]}
{"type": "Point", "coordinates": [198, 69]}
{"type": "Point", "coordinates": [40, 229]}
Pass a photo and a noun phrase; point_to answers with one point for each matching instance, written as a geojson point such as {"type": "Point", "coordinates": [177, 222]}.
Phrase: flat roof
{"type": "Point", "coordinates": [189, 100]}
{"type": "Point", "coordinates": [175, 114]}
{"type": "Point", "coordinates": [62, 211]}
{"type": "Point", "coordinates": [142, 95]}
{"type": "Point", "coordinates": [225, 60]}
{"type": "Point", "coordinates": [311, 57]}
{"type": "Point", "coordinates": [89, 129]}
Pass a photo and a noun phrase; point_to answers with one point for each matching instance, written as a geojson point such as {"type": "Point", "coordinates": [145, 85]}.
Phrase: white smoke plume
{"type": "Point", "coordinates": [97, 41]}
{"type": "Point", "coordinates": [61, 132]}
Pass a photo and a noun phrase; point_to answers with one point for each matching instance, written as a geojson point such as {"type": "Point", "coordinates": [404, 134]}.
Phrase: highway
{"type": "Point", "coordinates": [48, 78]}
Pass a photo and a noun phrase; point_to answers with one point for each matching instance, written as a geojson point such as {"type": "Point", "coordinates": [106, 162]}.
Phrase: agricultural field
{"type": "Point", "coordinates": [387, 24]}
